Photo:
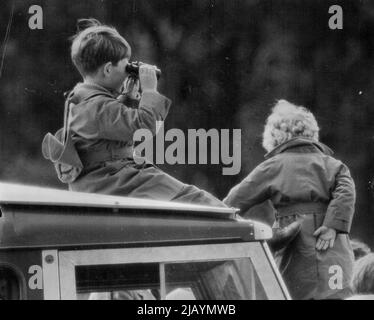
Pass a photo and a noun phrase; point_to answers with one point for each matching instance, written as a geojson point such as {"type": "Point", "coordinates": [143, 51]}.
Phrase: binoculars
{"type": "Point", "coordinates": [132, 68]}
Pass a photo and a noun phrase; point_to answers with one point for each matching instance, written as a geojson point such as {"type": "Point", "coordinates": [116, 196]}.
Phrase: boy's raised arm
{"type": "Point", "coordinates": [119, 122]}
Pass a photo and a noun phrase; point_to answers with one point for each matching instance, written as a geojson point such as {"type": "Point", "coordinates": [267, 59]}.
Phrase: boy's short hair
{"type": "Point", "coordinates": [95, 45]}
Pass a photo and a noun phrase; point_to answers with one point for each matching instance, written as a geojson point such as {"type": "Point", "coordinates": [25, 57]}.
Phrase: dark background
{"type": "Point", "coordinates": [224, 65]}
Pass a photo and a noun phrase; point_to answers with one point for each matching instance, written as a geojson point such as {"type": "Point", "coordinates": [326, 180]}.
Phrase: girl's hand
{"type": "Point", "coordinates": [131, 88]}
{"type": "Point", "coordinates": [326, 238]}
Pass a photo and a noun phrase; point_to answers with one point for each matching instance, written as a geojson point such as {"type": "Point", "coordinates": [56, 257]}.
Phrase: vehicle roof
{"type": "Point", "coordinates": [31, 195]}
{"type": "Point", "coordinates": [33, 217]}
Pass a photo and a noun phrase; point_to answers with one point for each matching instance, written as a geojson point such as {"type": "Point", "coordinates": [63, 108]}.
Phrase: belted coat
{"type": "Point", "coordinates": [305, 183]}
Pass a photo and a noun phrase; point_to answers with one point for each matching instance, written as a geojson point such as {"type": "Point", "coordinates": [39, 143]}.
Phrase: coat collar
{"type": "Point", "coordinates": [299, 142]}
{"type": "Point", "coordinates": [84, 91]}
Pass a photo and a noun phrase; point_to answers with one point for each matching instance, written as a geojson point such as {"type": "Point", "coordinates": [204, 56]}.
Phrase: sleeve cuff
{"type": "Point", "coordinates": [341, 226]}
{"type": "Point", "coordinates": [129, 102]}
{"type": "Point", "coordinates": [156, 101]}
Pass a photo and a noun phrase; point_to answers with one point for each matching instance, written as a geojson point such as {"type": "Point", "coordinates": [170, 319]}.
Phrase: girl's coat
{"type": "Point", "coordinates": [304, 182]}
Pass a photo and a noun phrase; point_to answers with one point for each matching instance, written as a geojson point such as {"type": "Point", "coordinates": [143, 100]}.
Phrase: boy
{"type": "Point", "coordinates": [94, 150]}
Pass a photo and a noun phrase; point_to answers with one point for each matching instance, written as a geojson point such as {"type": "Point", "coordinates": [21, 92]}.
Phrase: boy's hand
{"type": "Point", "coordinates": [148, 79]}
{"type": "Point", "coordinates": [326, 238]}
{"type": "Point", "coordinates": [131, 88]}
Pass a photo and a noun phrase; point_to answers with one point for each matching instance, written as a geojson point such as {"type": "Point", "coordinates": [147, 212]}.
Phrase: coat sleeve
{"type": "Point", "coordinates": [340, 211]}
{"type": "Point", "coordinates": [118, 122]}
{"type": "Point", "coordinates": [254, 189]}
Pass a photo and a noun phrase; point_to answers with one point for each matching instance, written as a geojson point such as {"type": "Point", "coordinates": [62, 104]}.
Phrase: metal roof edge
{"type": "Point", "coordinates": [33, 195]}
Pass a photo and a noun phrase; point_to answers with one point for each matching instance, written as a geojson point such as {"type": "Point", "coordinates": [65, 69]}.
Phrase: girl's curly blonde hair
{"type": "Point", "coordinates": [288, 121]}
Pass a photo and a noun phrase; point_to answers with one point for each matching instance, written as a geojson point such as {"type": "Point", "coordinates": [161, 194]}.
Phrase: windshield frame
{"type": "Point", "coordinates": [257, 252]}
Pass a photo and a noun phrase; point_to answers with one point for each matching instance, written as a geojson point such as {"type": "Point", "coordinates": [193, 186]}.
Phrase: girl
{"type": "Point", "coordinates": [306, 185]}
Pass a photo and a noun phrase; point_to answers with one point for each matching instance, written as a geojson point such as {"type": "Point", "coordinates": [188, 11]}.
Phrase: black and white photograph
{"type": "Point", "coordinates": [186, 150]}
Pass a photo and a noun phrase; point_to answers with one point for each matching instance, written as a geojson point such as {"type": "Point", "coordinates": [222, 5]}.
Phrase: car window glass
{"type": "Point", "coordinates": [118, 282]}
{"type": "Point", "coordinates": [218, 280]}
{"type": "Point", "coordinates": [229, 279]}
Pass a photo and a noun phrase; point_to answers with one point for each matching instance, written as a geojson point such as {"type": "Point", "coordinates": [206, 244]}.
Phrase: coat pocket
{"type": "Point", "coordinates": [64, 156]}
